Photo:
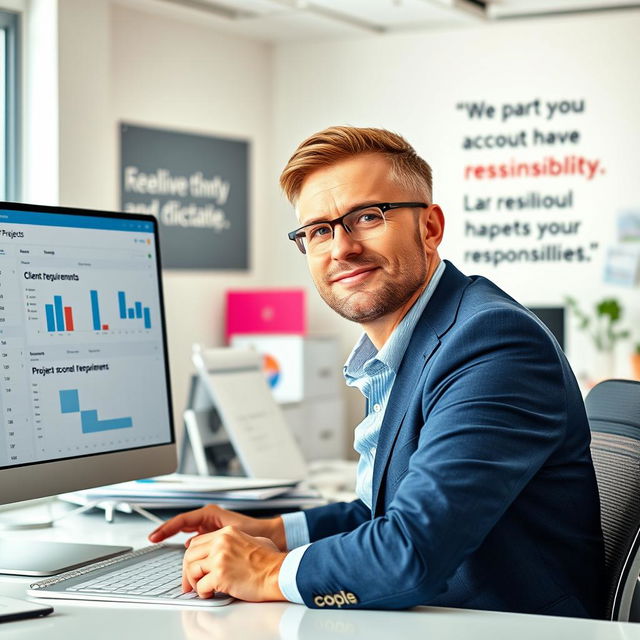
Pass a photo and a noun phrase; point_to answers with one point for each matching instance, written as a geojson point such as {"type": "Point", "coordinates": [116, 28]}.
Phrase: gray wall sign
{"type": "Point", "coordinates": [197, 187]}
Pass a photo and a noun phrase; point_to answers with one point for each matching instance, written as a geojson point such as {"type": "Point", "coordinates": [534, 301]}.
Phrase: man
{"type": "Point", "coordinates": [476, 486]}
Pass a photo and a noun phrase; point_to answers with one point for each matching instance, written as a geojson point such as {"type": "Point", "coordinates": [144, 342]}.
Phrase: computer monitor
{"type": "Point", "coordinates": [84, 378]}
{"type": "Point", "coordinates": [206, 448]}
{"type": "Point", "coordinates": [553, 318]}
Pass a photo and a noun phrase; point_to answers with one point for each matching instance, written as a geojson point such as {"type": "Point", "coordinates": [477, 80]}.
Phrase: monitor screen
{"type": "Point", "coordinates": [553, 318]}
{"type": "Point", "coordinates": [84, 388]}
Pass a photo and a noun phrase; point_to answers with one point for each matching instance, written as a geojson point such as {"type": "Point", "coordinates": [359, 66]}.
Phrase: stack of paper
{"type": "Point", "coordinates": [179, 491]}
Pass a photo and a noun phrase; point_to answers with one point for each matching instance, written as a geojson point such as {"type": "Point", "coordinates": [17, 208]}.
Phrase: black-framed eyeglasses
{"type": "Point", "coordinates": [362, 223]}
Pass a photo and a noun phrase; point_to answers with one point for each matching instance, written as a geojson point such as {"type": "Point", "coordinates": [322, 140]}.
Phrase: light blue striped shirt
{"type": "Point", "coordinates": [373, 372]}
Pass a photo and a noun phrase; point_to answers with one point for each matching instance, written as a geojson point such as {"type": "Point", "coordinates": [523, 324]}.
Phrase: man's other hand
{"type": "Point", "coordinates": [233, 562]}
{"type": "Point", "coordinates": [212, 518]}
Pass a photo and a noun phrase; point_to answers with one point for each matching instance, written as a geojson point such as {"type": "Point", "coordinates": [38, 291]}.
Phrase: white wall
{"type": "Point", "coordinates": [116, 65]}
{"type": "Point", "coordinates": [179, 76]}
{"type": "Point", "coordinates": [40, 95]}
{"type": "Point", "coordinates": [411, 83]}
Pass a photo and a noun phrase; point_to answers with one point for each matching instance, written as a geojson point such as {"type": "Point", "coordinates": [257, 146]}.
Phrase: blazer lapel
{"type": "Point", "coordinates": [438, 316]}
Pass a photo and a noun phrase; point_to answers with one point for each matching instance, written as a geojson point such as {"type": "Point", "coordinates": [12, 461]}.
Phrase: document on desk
{"type": "Point", "coordinates": [289, 500]}
{"type": "Point", "coordinates": [179, 491]}
{"type": "Point", "coordinates": [258, 488]}
{"type": "Point", "coordinates": [181, 487]}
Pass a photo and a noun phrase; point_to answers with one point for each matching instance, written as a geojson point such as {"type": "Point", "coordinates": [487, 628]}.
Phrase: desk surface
{"type": "Point", "coordinates": [264, 621]}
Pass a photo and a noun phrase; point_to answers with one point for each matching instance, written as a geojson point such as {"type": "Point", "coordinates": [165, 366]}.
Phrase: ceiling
{"type": "Point", "coordinates": [287, 20]}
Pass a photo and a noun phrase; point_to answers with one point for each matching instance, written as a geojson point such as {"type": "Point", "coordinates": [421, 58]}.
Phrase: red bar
{"type": "Point", "coordinates": [105, 327]}
{"type": "Point", "coordinates": [68, 319]}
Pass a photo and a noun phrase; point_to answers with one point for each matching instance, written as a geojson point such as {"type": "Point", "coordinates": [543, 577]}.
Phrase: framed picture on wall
{"type": "Point", "coordinates": [197, 186]}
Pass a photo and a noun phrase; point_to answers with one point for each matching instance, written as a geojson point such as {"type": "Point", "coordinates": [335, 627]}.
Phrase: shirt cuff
{"type": "Point", "coordinates": [296, 530]}
{"type": "Point", "coordinates": [288, 572]}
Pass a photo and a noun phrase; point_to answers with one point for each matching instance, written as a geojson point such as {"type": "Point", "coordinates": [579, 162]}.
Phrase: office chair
{"type": "Point", "coordinates": [613, 409]}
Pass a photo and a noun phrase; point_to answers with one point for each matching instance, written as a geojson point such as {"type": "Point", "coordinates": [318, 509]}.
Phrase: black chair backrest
{"type": "Point", "coordinates": [613, 409]}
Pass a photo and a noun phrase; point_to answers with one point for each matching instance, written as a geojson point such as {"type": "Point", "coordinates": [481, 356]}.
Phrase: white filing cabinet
{"type": "Point", "coordinates": [305, 374]}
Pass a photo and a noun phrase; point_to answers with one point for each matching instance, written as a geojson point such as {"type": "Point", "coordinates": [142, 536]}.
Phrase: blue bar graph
{"type": "Point", "coordinates": [89, 421]}
{"type": "Point", "coordinates": [51, 320]}
{"type": "Point", "coordinates": [95, 310]}
{"type": "Point", "coordinates": [122, 303]}
{"type": "Point", "coordinates": [69, 401]}
{"type": "Point", "coordinates": [57, 302]}
{"type": "Point", "coordinates": [91, 424]}
{"type": "Point", "coordinates": [61, 318]}
{"type": "Point", "coordinates": [135, 311]}
{"type": "Point", "coordinates": [58, 316]}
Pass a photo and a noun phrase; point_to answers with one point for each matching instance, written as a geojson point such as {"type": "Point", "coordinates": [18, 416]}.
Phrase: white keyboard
{"type": "Point", "coordinates": [152, 574]}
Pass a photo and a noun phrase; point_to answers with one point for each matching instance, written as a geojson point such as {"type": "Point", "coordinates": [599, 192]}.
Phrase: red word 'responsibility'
{"type": "Point", "coordinates": [549, 166]}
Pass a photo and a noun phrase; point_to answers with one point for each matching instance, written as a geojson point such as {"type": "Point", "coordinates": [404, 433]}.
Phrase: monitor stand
{"type": "Point", "coordinates": [40, 558]}
{"type": "Point", "coordinates": [24, 557]}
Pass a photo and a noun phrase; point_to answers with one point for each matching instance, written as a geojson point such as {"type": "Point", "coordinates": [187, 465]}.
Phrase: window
{"type": "Point", "coordinates": [9, 106]}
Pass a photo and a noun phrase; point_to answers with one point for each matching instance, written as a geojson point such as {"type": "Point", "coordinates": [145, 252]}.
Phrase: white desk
{"type": "Point", "coordinates": [266, 621]}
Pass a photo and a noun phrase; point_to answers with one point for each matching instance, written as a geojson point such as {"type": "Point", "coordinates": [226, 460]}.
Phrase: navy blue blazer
{"type": "Point", "coordinates": [484, 493]}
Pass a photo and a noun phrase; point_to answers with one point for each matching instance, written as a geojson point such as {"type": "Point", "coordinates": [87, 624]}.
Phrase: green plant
{"type": "Point", "coordinates": [636, 349]}
{"type": "Point", "coordinates": [602, 326]}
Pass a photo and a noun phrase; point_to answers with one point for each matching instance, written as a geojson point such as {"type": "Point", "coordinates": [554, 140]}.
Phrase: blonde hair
{"type": "Point", "coordinates": [334, 144]}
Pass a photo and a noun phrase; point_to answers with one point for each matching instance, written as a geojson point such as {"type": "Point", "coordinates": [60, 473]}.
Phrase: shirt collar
{"type": "Point", "coordinates": [365, 359]}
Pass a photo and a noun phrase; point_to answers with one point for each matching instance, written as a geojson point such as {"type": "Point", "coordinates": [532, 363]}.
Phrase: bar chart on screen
{"type": "Point", "coordinates": [54, 297]}
{"type": "Point", "coordinates": [59, 316]}
{"type": "Point", "coordinates": [94, 403]}
{"type": "Point", "coordinates": [76, 309]}
{"type": "Point", "coordinates": [89, 421]}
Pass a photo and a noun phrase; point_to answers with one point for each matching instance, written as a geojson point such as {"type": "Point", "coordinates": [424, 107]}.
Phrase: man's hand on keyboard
{"type": "Point", "coordinates": [211, 518]}
{"type": "Point", "coordinates": [233, 562]}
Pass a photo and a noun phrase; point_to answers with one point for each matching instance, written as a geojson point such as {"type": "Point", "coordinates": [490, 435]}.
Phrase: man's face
{"type": "Point", "coordinates": [369, 279]}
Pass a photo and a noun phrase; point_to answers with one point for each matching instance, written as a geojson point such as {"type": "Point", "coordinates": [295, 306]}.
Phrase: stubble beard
{"type": "Point", "coordinates": [394, 292]}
